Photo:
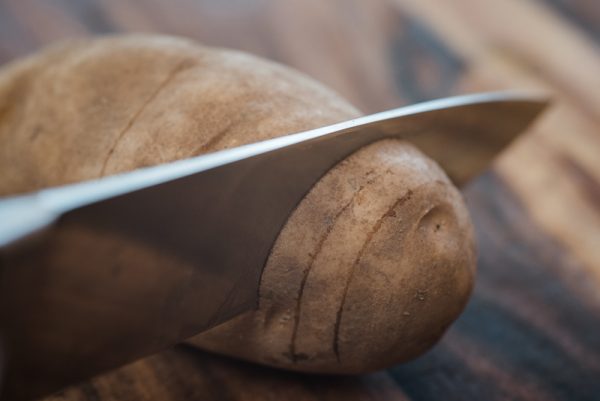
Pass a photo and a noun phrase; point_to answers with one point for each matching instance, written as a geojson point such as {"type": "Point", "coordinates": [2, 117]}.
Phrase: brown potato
{"type": "Point", "coordinates": [371, 267]}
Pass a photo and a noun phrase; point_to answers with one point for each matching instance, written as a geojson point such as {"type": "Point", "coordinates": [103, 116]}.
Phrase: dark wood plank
{"type": "Point", "coordinates": [531, 330]}
{"type": "Point", "coordinates": [585, 14]}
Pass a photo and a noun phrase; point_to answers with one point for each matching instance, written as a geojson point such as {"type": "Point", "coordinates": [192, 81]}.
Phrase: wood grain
{"type": "Point", "coordinates": [532, 329]}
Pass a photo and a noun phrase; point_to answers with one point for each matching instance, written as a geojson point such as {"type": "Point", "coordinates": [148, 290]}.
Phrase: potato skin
{"type": "Point", "coordinates": [90, 108]}
{"type": "Point", "coordinates": [371, 267]}
{"type": "Point", "coordinates": [369, 271]}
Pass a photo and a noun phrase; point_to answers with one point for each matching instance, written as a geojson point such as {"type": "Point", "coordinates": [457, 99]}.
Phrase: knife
{"type": "Point", "coordinates": [209, 221]}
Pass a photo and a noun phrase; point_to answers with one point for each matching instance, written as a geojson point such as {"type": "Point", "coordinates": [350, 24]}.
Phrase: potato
{"type": "Point", "coordinates": [371, 267]}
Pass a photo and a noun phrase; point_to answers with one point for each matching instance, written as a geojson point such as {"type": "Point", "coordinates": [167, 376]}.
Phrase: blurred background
{"type": "Point", "coordinates": [532, 330]}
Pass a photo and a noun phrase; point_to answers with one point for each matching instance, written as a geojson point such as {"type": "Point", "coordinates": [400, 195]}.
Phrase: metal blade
{"type": "Point", "coordinates": [210, 223]}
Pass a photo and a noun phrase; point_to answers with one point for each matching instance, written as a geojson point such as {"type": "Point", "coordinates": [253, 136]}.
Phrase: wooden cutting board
{"type": "Point", "coordinates": [532, 328]}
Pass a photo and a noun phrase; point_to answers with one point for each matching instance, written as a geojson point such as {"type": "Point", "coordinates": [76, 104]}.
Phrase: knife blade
{"type": "Point", "coordinates": [208, 221]}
